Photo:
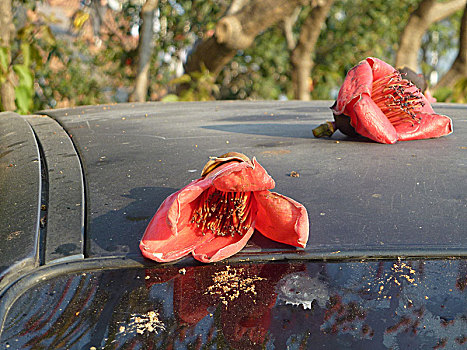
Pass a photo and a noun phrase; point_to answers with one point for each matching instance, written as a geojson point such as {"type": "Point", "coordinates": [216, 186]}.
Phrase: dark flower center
{"type": "Point", "coordinates": [223, 213]}
{"type": "Point", "coordinates": [391, 94]}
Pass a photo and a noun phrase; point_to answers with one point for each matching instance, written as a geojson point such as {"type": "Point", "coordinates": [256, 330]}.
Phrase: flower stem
{"type": "Point", "coordinates": [323, 130]}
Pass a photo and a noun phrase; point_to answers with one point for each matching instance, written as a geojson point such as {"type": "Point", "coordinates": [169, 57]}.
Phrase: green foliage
{"type": "Point", "coordinates": [460, 91]}
{"type": "Point", "coordinates": [456, 94]}
{"type": "Point", "coordinates": [61, 72]}
{"type": "Point", "coordinates": [180, 25]}
{"type": "Point", "coordinates": [4, 64]}
{"type": "Point", "coordinates": [259, 72]}
{"type": "Point", "coordinates": [200, 86]}
{"type": "Point", "coordinates": [439, 42]}
{"type": "Point", "coordinates": [443, 94]}
{"type": "Point", "coordinates": [72, 78]}
{"type": "Point", "coordinates": [355, 30]}
{"type": "Point", "coordinates": [22, 58]}
{"type": "Point", "coordinates": [24, 90]}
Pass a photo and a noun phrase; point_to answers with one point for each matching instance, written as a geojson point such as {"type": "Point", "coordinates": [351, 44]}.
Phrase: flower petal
{"type": "Point", "coordinates": [183, 203]}
{"type": "Point", "coordinates": [426, 108]}
{"type": "Point", "coordinates": [221, 247]}
{"type": "Point", "coordinates": [379, 67]}
{"type": "Point", "coordinates": [282, 219]}
{"type": "Point", "coordinates": [359, 80]}
{"type": "Point", "coordinates": [242, 177]}
{"type": "Point", "coordinates": [169, 237]}
{"type": "Point", "coordinates": [160, 244]}
{"type": "Point", "coordinates": [431, 125]}
{"type": "Point", "coordinates": [369, 121]}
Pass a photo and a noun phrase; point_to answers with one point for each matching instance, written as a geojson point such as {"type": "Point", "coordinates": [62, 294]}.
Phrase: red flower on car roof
{"type": "Point", "coordinates": [376, 102]}
{"type": "Point", "coordinates": [214, 217]}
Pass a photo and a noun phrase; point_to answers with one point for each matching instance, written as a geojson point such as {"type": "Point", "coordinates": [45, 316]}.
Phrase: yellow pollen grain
{"type": "Point", "coordinates": [230, 283]}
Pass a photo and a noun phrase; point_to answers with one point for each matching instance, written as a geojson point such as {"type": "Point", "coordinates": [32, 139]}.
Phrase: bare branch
{"type": "Point", "coordinates": [287, 27]}
{"type": "Point", "coordinates": [441, 10]}
{"type": "Point", "coordinates": [236, 6]}
{"type": "Point", "coordinates": [427, 13]}
{"type": "Point", "coordinates": [238, 32]}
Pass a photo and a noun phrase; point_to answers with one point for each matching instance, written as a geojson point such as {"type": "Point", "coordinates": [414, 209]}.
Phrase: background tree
{"type": "Point", "coordinates": [215, 48]}
{"type": "Point", "coordinates": [427, 13]}
{"type": "Point", "coordinates": [236, 32]}
{"type": "Point", "coordinates": [302, 51]}
{"type": "Point", "coordinates": [458, 70]}
{"type": "Point", "coordinates": [353, 31]}
{"type": "Point", "coordinates": [145, 50]}
{"type": "Point", "coordinates": [7, 91]}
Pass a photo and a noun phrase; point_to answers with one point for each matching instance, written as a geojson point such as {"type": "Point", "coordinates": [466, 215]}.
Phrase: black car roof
{"type": "Point", "coordinates": [80, 185]}
{"type": "Point", "coordinates": [104, 170]}
{"type": "Point", "coordinates": [363, 198]}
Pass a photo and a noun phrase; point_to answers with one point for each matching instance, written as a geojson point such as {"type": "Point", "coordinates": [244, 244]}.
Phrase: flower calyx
{"type": "Point", "coordinates": [214, 162]}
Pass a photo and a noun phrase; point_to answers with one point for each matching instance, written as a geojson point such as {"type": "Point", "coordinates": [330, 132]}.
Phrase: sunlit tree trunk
{"type": "Point", "coordinates": [427, 13]}
{"type": "Point", "coordinates": [458, 69]}
{"type": "Point", "coordinates": [236, 32]}
{"type": "Point", "coordinates": [145, 50]}
{"type": "Point", "coordinates": [301, 56]}
{"type": "Point", "coordinates": [7, 90]}
{"type": "Point", "coordinates": [235, 6]}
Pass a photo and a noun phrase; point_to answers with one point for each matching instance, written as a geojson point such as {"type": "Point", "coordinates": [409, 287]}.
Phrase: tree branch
{"type": "Point", "coordinates": [458, 69]}
{"type": "Point", "coordinates": [427, 13]}
{"type": "Point", "coordinates": [287, 27]}
{"type": "Point", "coordinates": [237, 32]}
{"type": "Point", "coordinates": [236, 6]}
{"type": "Point", "coordinates": [441, 10]}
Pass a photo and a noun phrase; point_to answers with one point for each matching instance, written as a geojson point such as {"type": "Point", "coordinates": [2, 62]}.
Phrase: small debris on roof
{"type": "Point", "coordinates": [230, 283]}
{"type": "Point", "coordinates": [294, 174]}
{"type": "Point", "coordinates": [148, 322]}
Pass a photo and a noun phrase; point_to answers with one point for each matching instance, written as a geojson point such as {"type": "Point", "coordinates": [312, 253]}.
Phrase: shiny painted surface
{"type": "Point", "coordinates": [400, 304]}
{"type": "Point", "coordinates": [363, 198]}
{"type": "Point", "coordinates": [20, 197]}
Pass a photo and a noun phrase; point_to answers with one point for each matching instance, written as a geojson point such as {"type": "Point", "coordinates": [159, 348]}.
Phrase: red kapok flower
{"type": "Point", "coordinates": [214, 217]}
{"type": "Point", "coordinates": [376, 102]}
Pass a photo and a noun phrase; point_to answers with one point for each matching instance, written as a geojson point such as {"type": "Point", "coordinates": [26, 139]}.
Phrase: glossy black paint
{"type": "Point", "coordinates": [20, 198]}
{"type": "Point", "coordinates": [74, 280]}
{"type": "Point", "coordinates": [64, 198]}
{"type": "Point", "coordinates": [363, 198]}
{"type": "Point", "coordinates": [419, 304]}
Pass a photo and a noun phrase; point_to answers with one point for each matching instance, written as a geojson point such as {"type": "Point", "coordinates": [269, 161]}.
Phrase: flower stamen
{"type": "Point", "coordinates": [223, 213]}
{"type": "Point", "coordinates": [399, 104]}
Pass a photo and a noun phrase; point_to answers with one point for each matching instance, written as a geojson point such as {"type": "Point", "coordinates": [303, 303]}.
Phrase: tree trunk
{"type": "Point", "coordinates": [236, 6]}
{"type": "Point", "coordinates": [236, 32]}
{"type": "Point", "coordinates": [458, 69]}
{"type": "Point", "coordinates": [301, 56]}
{"type": "Point", "coordinates": [287, 28]}
{"type": "Point", "coordinates": [427, 13]}
{"type": "Point", "coordinates": [145, 49]}
{"type": "Point", "coordinates": [7, 89]}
